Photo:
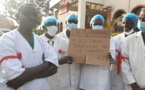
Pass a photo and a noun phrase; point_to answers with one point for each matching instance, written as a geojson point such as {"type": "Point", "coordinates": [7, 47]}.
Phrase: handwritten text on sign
{"type": "Point", "coordinates": [92, 46]}
{"type": "Point", "coordinates": [87, 44]}
{"type": "Point", "coordinates": [97, 60]}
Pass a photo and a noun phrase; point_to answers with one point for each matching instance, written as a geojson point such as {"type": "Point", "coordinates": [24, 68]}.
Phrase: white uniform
{"type": "Point", "coordinates": [59, 81]}
{"type": "Point", "coordinates": [74, 69]}
{"type": "Point", "coordinates": [13, 42]}
{"type": "Point", "coordinates": [117, 82]}
{"type": "Point", "coordinates": [94, 77]}
{"type": "Point", "coordinates": [58, 44]}
{"type": "Point", "coordinates": [133, 70]}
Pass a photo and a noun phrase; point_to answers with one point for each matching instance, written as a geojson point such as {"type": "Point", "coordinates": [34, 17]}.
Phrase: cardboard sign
{"type": "Point", "coordinates": [88, 46]}
{"type": "Point", "coordinates": [97, 60]}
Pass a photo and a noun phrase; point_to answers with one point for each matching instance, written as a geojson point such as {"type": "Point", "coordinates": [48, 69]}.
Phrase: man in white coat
{"type": "Point", "coordinates": [130, 22]}
{"type": "Point", "coordinates": [59, 81]}
{"type": "Point", "coordinates": [26, 60]}
{"type": "Point", "coordinates": [94, 77]}
{"type": "Point", "coordinates": [74, 69]}
{"type": "Point", "coordinates": [133, 50]}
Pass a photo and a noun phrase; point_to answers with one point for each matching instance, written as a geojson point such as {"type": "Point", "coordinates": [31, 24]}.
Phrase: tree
{"type": "Point", "coordinates": [42, 6]}
{"type": "Point", "coordinates": [11, 7]}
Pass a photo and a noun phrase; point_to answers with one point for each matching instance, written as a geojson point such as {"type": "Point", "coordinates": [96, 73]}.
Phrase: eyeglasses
{"type": "Point", "coordinates": [97, 24]}
{"type": "Point", "coordinates": [73, 21]}
{"type": "Point", "coordinates": [51, 24]}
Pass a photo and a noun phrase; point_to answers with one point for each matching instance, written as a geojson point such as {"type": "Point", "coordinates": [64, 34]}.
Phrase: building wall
{"type": "Point", "coordinates": [82, 10]}
{"type": "Point", "coordinates": [126, 5]}
{"type": "Point", "coordinates": [134, 3]}
{"type": "Point", "coordinates": [117, 5]}
{"type": "Point", "coordinates": [95, 1]}
{"type": "Point", "coordinates": [81, 14]}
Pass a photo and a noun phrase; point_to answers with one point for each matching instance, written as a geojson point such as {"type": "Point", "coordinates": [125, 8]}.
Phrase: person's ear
{"type": "Point", "coordinates": [44, 28]}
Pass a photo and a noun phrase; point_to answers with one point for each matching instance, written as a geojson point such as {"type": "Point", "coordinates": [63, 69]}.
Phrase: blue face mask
{"type": "Point", "coordinates": [71, 25]}
{"type": "Point", "coordinates": [97, 27]}
{"type": "Point", "coordinates": [141, 25]}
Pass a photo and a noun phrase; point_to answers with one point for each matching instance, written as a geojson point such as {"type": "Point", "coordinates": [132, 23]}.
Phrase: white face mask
{"type": "Point", "coordinates": [97, 27]}
{"type": "Point", "coordinates": [141, 25]}
{"type": "Point", "coordinates": [71, 25]}
{"type": "Point", "coordinates": [129, 32]}
{"type": "Point", "coordinates": [52, 30]}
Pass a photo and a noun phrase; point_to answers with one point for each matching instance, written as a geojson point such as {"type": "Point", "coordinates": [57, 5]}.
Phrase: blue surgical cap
{"type": "Point", "coordinates": [72, 17]}
{"type": "Point", "coordinates": [131, 16]}
{"type": "Point", "coordinates": [48, 20]}
{"type": "Point", "coordinates": [97, 17]}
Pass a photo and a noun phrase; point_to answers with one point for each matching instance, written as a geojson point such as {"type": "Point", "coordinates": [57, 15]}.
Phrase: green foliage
{"type": "Point", "coordinates": [11, 7]}
{"type": "Point", "coordinates": [114, 34]}
{"type": "Point", "coordinates": [38, 31]}
{"type": "Point", "coordinates": [110, 24]}
{"type": "Point", "coordinates": [40, 18]}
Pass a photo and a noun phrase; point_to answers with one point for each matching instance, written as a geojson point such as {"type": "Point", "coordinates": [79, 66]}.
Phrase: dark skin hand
{"type": "Point", "coordinates": [66, 60]}
{"type": "Point", "coordinates": [111, 59]}
{"type": "Point", "coordinates": [19, 81]}
{"type": "Point", "coordinates": [28, 19]}
{"type": "Point", "coordinates": [136, 87]}
{"type": "Point", "coordinates": [27, 75]}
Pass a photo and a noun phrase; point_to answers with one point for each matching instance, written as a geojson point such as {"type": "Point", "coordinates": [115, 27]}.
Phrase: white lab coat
{"type": "Point", "coordinates": [117, 82]}
{"type": "Point", "coordinates": [73, 69]}
{"type": "Point", "coordinates": [59, 81]}
{"type": "Point", "coordinates": [133, 70]}
{"type": "Point", "coordinates": [94, 77]}
{"type": "Point", "coordinates": [13, 42]}
{"type": "Point", "coordinates": [59, 45]}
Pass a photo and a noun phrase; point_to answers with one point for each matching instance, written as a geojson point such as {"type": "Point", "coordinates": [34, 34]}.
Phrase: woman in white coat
{"type": "Point", "coordinates": [94, 77]}
{"type": "Point", "coordinates": [133, 67]}
{"type": "Point", "coordinates": [74, 69]}
{"type": "Point", "coordinates": [59, 81]}
{"type": "Point", "coordinates": [130, 22]}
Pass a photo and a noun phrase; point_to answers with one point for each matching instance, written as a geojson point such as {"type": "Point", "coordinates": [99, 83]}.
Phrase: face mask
{"type": "Point", "coordinates": [129, 32]}
{"type": "Point", "coordinates": [52, 30]}
{"type": "Point", "coordinates": [98, 27]}
{"type": "Point", "coordinates": [141, 25]}
{"type": "Point", "coordinates": [71, 25]}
